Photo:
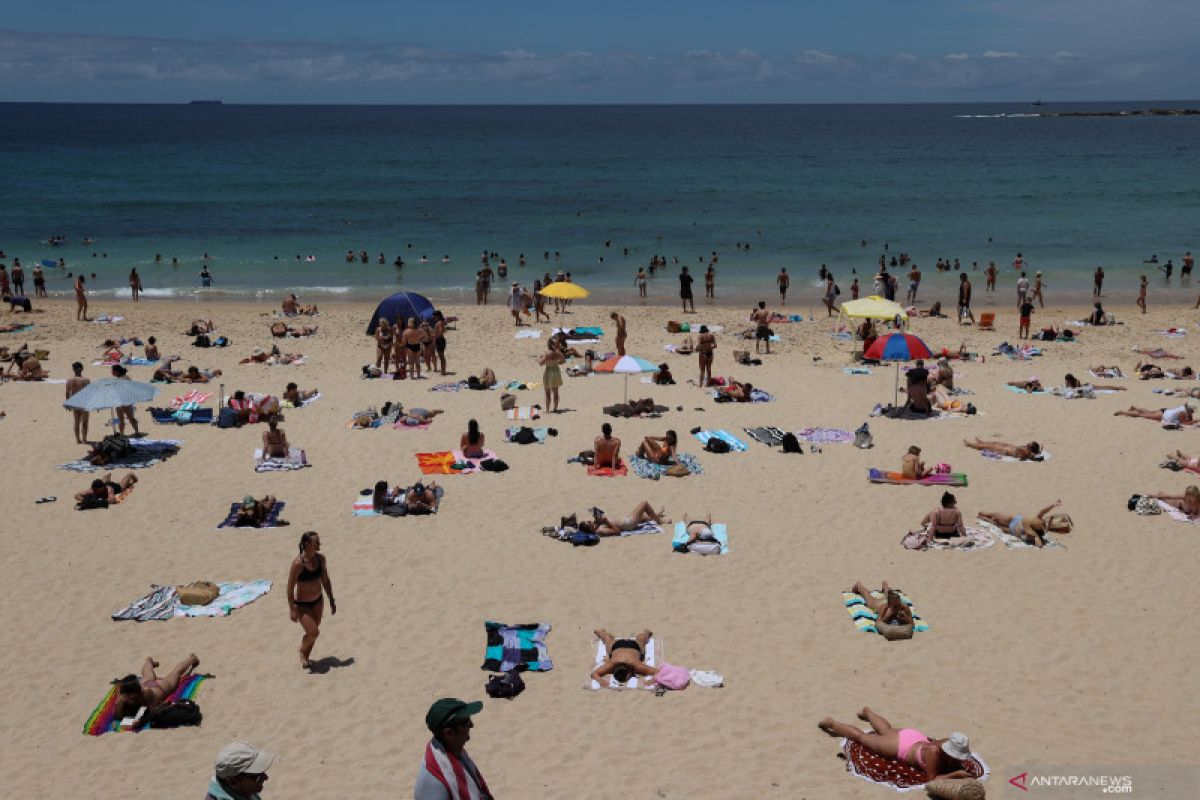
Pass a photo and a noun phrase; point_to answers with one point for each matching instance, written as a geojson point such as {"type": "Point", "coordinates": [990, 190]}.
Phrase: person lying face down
{"type": "Point", "coordinates": [626, 658]}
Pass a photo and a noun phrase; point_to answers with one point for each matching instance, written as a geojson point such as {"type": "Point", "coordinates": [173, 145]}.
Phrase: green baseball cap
{"type": "Point", "coordinates": [449, 710]}
{"type": "Point", "coordinates": [249, 500]}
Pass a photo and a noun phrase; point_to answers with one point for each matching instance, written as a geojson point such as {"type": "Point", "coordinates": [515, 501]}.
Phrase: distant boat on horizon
{"type": "Point", "coordinates": [206, 103]}
{"type": "Point", "coordinates": [1038, 102]}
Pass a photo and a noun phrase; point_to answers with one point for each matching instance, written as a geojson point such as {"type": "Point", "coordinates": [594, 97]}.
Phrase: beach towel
{"type": "Point", "coordinates": [647, 526]}
{"type": "Point", "coordinates": [1107, 374]}
{"type": "Point", "coordinates": [165, 416]}
{"type": "Point", "coordinates": [1174, 333]}
{"type": "Point", "coordinates": [305, 404]}
{"type": "Point", "coordinates": [856, 370]}
{"type": "Point", "coordinates": [103, 719]}
{"type": "Point", "coordinates": [864, 618]}
{"type": "Point", "coordinates": [375, 423]}
{"type": "Point", "coordinates": [146, 453]}
{"type": "Point", "coordinates": [994, 456]}
{"type": "Point", "coordinates": [539, 434]}
{"type": "Point", "coordinates": [105, 319]}
{"type": "Point", "coordinates": [364, 505]}
{"type": "Point", "coordinates": [457, 386]}
{"type": "Point", "coordinates": [1174, 513]}
{"type": "Point", "coordinates": [736, 445]}
{"type": "Point", "coordinates": [648, 469]}
{"type": "Point", "coordinates": [156, 605]}
{"type": "Point", "coordinates": [1019, 390]}
{"type": "Point", "coordinates": [771, 437]}
{"type": "Point", "coordinates": [652, 659]}
{"type": "Point", "coordinates": [523, 412]}
{"type": "Point", "coordinates": [443, 462]}
{"type": "Point", "coordinates": [825, 435]}
{"type": "Point", "coordinates": [271, 521]}
{"type": "Point", "coordinates": [756, 396]}
{"type": "Point", "coordinates": [295, 460]}
{"type": "Point", "coordinates": [128, 362]}
{"type": "Point", "coordinates": [621, 470]}
{"type": "Point", "coordinates": [589, 339]}
{"type": "Point", "coordinates": [15, 328]}
{"type": "Point", "coordinates": [192, 400]}
{"type": "Point", "coordinates": [234, 594]}
{"type": "Point", "coordinates": [529, 333]}
{"type": "Point", "coordinates": [299, 361]}
{"type": "Point", "coordinates": [719, 533]}
{"type": "Point", "coordinates": [939, 479]}
{"type": "Point", "coordinates": [518, 386]}
{"type": "Point", "coordinates": [401, 425]}
{"type": "Point", "coordinates": [519, 647]}
{"type": "Point", "coordinates": [976, 539]}
{"type": "Point", "coordinates": [1004, 536]}
{"type": "Point", "coordinates": [894, 774]}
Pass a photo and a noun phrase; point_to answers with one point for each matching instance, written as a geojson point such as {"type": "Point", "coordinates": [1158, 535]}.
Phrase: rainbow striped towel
{"type": "Point", "coordinates": [103, 720]}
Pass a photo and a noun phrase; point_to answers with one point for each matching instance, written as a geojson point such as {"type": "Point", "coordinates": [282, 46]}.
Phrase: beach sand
{"type": "Point", "coordinates": [1071, 656]}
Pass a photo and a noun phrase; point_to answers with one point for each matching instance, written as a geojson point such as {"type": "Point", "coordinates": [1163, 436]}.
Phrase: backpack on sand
{"type": "Point", "coordinates": [506, 686]}
{"type": "Point", "coordinates": [715, 445]}
{"type": "Point", "coordinates": [790, 443]}
{"type": "Point", "coordinates": [179, 714]}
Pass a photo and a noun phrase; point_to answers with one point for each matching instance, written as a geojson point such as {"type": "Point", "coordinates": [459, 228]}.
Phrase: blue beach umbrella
{"type": "Point", "coordinates": [399, 308]}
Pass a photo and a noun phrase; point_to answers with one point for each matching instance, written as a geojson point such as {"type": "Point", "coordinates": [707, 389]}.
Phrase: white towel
{"type": "Point", "coordinates": [653, 655]}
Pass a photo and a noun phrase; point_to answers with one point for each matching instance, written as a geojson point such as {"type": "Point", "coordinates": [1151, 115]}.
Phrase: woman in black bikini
{"type": "Point", "coordinates": [946, 521]}
{"type": "Point", "coordinates": [412, 339]}
{"type": "Point", "coordinates": [439, 340]}
{"type": "Point", "coordinates": [308, 576]}
{"type": "Point", "coordinates": [383, 345]}
{"type": "Point", "coordinates": [626, 657]}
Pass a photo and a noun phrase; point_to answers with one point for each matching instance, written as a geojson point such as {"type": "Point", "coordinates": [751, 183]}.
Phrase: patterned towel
{"type": "Point", "coordinates": [157, 605]}
{"type": "Point", "coordinates": [977, 539]}
{"type": "Point", "coordinates": [364, 505]}
{"type": "Point", "coordinates": [994, 456]}
{"type": "Point", "coordinates": [457, 386]}
{"type": "Point", "coordinates": [128, 362]}
{"type": "Point", "coordinates": [528, 334]}
{"type": "Point", "coordinates": [771, 437]}
{"type": "Point", "coordinates": [646, 469]}
{"type": "Point", "coordinates": [940, 479]}
{"type": "Point", "coordinates": [15, 328]}
{"type": "Point", "coordinates": [1012, 542]}
{"type": "Point", "coordinates": [864, 618]}
{"type": "Point", "coordinates": [824, 435]}
{"type": "Point", "coordinates": [736, 445]}
{"type": "Point", "coordinates": [539, 433]}
{"type": "Point", "coordinates": [193, 399]}
{"type": "Point", "coordinates": [719, 533]}
{"type": "Point", "coordinates": [1019, 390]}
{"type": "Point", "coordinates": [519, 647]}
{"type": "Point", "coordinates": [608, 472]}
{"type": "Point", "coordinates": [856, 370]}
{"type": "Point", "coordinates": [103, 719]}
{"type": "Point", "coordinates": [305, 404]}
{"type": "Point", "coordinates": [295, 460]}
{"type": "Point", "coordinates": [271, 521]}
{"type": "Point", "coordinates": [146, 453]}
{"type": "Point", "coordinates": [402, 426]}
{"type": "Point", "coordinates": [653, 657]}
{"type": "Point", "coordinates": [896, 774]}
{"type": "Point", "coordinates": [523, 412]}
{"type": "Point", "coordinates": [442, 462]}
{"type": "Point", "coordinates": [234, 594]}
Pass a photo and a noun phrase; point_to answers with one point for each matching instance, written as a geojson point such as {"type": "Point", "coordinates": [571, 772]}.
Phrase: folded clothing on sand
{"type": "Point", "coordinates": [652, 658]}
{"type": "Point", "coordinates": [864, 618]}
{"type": "Point", "coordinates": [104, 720]}
{"type": "Point", "coordinates": [898, 775]}
{"type": "Point", "coordinates": [519, 647]}
{"type": "Point", "coordinates": [939, 479]}
{"type": "Point", "coordinates": [648, 469]}
{"type": "Point", "coordinates": [719, 535]}
{"type": "Point", "coordinates": [736, 445]}
{"type": "Point", "coordinates": [231, 520]}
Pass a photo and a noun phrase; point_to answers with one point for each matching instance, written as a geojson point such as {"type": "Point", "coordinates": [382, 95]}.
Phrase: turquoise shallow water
{"type": "Point", "coordinates": [255, 186]}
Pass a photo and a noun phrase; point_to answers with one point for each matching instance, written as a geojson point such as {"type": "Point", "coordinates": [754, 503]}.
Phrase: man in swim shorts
{"type": "Point", "coordinates": [762, 330]}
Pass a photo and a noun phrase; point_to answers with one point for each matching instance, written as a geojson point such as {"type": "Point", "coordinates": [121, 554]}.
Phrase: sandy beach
{"type": "Point", "coordinates": [1071, 656]}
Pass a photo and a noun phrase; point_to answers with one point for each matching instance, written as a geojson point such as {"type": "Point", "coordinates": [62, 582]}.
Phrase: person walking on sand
{"type": "Point", "coordinates": [706, 346]}
{"type": "Point", "coordinates": [124, 413]}
{"type": "Point", "coordinates": [309, 575]}
{"type": "Point", "coordinates": [551, 375]}
{"type": "Point", "coordinates": [74, 384]}
{"type": "Point", "coordinates": [447, 772]}
{"type": "Point", "coordinates": [515, 303]}
{"type": "Point", "coordinates": [240, 772]}
{"type": "Point", "coordinates": [685, 290]}
{"type": "Point", "coordinates": [620, 321]}
{"type": "Point", "coordinates": [1037, 290]}
{"type": "Point", "coordinates": [1022, 290]}
{"type": "Point", "coordinates": [1026, 313]}
{"type": "Point", "coordinates": [964, 299]}
{"type": "Point", "coordinates": [1097, 281]}
{"type": "Point", "coordinates": [135, 283]}
{"type": "Point", "coordinates": [784, 282]}
{"type": "Point", "coordinates": [1141, 298]}
{"type": "Point", "coordinates": [81, 300]}
{"type": "Point", "coordinates": [762, 328]}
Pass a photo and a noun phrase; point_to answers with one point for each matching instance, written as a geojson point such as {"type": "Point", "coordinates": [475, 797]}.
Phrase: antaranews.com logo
{"type": "Point", "coordinates": [1102, 784]}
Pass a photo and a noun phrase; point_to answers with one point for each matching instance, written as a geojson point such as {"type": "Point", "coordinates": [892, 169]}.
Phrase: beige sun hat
{"type": "Point", "coordinates": [957, 746]}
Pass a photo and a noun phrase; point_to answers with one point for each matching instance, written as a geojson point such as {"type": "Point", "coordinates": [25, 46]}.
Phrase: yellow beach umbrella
{"type": "Point", "coordinates": [564, 290]}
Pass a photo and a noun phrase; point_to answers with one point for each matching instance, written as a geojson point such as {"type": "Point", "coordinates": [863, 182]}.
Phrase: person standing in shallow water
{"type": "Point", "coordinates": [783, 282]}
{"type": "Point", "coordinates": [685, 290]}
{"type": "Point", "coordinates": [1141, 298]}
{"type": "Point", "coordinates": [710, 283]}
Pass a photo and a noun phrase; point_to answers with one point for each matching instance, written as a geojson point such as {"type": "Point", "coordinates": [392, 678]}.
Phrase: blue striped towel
{"type": "Point", "coordinates": [735, 444]}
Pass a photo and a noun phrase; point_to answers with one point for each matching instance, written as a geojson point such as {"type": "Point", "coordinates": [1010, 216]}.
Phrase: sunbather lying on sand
{"type": "Point", "coordinates": [938, 758]}
{"type": "Point", "coordinates": [200, 326]}
{"type": "Point", "coordinates": [945, 522]}
{"type": "Point", "coordinates": [196, 375]}
{"type": "Point", "coordinates": [1155, 352]}
{"type": "Point", "coordinates": [418, 416]}
{"type": "Point", "coordinates": [1108, 372]}
{"type": "Point", "coordinates": [659, 449]}
{"type": "Point", "coordinates": [626, 658]}
{"type": "Point", "coordinates": [1169, 417]}
{"type": "Point", "coordinates": [1024, 452]}
{"type": "Point", "coordinates": [891, 607]}
{"type": "Point", "coordinates": [1188, 502]}
{"type": "Point", "coordinates": [253, 513]}
{"type": "Point", "coordinates": [484, 380]}
{"type": "Point", "coordinates": [602, 525]}
{"type": "Point", "coordinates": [1031, 529]}
{"type": "Point", "coordinates": [1185, 461]}
{"type": "Point", "coordinates": [151, 690]}
{"type": "Point", "coordinates": [297, 396]}
{"type": "Point", "coordinates": [739, 392]}
{"type": "Point", "coordinates": [942, 401]}
{"type": "Point", "coordinates": [422, 498]}
{"type": "Point", "coordinates": [1031, 385]}
{"type": "Point", "coordinates": [282, 329]}
{"type": "Point", "coordinates": [687, 348]}
{"type": "Point", "coordinates": [697, 530]}
{"type": "Point", "coordinates": [104, 488]}
{"type": "Point", "coordinates": [1071, 382]}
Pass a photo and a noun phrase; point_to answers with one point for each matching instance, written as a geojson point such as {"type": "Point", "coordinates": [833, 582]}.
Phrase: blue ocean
{"type": "Point", "coordinates": [277, 195]}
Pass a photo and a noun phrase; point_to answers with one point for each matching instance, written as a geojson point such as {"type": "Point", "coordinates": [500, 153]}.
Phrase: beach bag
{"type": "Point", "coordinates": [506, 686]}
{"type": "Point", "coordinates": [893, 632]}
{"type": "Point", "coordinates": [508, 402]}
{"type": "Point", "coordinates": [179, 714]}
{"type": "Point", "coordinates": [673, 677]}
{"type": "Point", "coordinates": [862, 437]}
{"type": "Point", "coordinates": [678, 471]}
{"type": "Point", "coordinates": [493, 465]}
{"type": "Point", "coordinates": [790, 443]}
{"type": "Point", "coordinates": [197, 593]}
{"type": "Point", "coordinates": [91, 502]}
{"type": "Point", "coordinates": [581, 538]}
{"type": "Point", "coordinates": [942, 469]}
{"type": "Point", "coordinates": [1062, 523]}
{"type": "Point", "coordinates": [202, 341]}
{"type": "Point", "coordinates": [916, 540]}
{"type": "Point", "coordinates": [673, 327]}
{"type": "Point", "coordinates": [227, 418]}
{"type": "Point", "coordinates": [395, 510]}
{"type": "Point", "coordinates": [715, 445]}
{"type": "Point", "coordinates": [524, 436]}
{"type": "Point", "coordinates": [705, 547]}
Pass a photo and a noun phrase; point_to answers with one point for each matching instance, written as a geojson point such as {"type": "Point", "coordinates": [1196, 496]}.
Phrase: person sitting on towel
{"type": "Point", "coordinates": [663, 376]}
{"type": "Point", "coordinates": [918, 389]}
{"type": "Point", "coordinates": [471, 442]}
{"type": "Point", "coordinates": [937, 758]}
{"type": "Point", "coordinates": [697, 530]}
{"type": "Point", "coordinates": [253, 513]}
{"type": "Point", "coordinates": [945, 521]}
{"type": "Point", "coordinates": [607, 448]}
{"type": "Point", "coordinates": [891, 608]}
{"type": "Point", "coordinates": [911, 465]}
{"type": "Point", "coordinates": [151, 690]}
{"type": "Point", "coordinates": [659, 449]}
{"type": "Point", "coordinates": [274, 440]}
{"type": "Point", "coordinates": [626, 658]}
{"type": "Point", "coordinates": [603, 526]}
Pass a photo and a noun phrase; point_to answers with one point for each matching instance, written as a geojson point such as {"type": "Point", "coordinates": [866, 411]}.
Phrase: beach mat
{"type": "Point", "coordinates": [103, 720]}
{"type": "Point", "coordinates": [771, 437]}
{"type": "Point", "coordinates": [864, 618]}
{"type": "Point", "coordinates": [516, 647]}
{"type": "Point", "coordinates": [647, 469]}
{"type": "Point", "coordinates": [295, 460]}
{"type": "Point", "coordinates": [271, 521]}
{"type": "Point", "coordinates": [653, 658]}
{"type": "Point", "coordinates": [941, 479]}
{"type": "Point", "coordinates": [825, 435]}
{"type": "Point", "coordinates": [146, 453]}
{"type": "Point", "coordinates": [894, 774]}
{"type": "Point", "coordinates": [523, 412]}
{"type": "Point", "coordinates": [720, 533]}
{"type": "Point", "coordinates": [621, 470]}
{"type": "Point", "coordinates": [736, 445]}
{"type": "Point", "coordinates": [233, 595]}
{"type": "Point", "coordinates": [540, 435]}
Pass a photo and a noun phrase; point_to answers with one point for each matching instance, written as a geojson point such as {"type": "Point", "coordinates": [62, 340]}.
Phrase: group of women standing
{"type": "Point", "coordinates": [407, 347]}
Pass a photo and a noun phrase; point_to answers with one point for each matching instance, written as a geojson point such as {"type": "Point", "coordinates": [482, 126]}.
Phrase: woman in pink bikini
{"type": "Point", "coordinates": [937, 758]}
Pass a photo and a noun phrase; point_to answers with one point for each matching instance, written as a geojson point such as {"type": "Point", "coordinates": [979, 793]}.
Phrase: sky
{"type": "Point", "coordinates": [653, 51]}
